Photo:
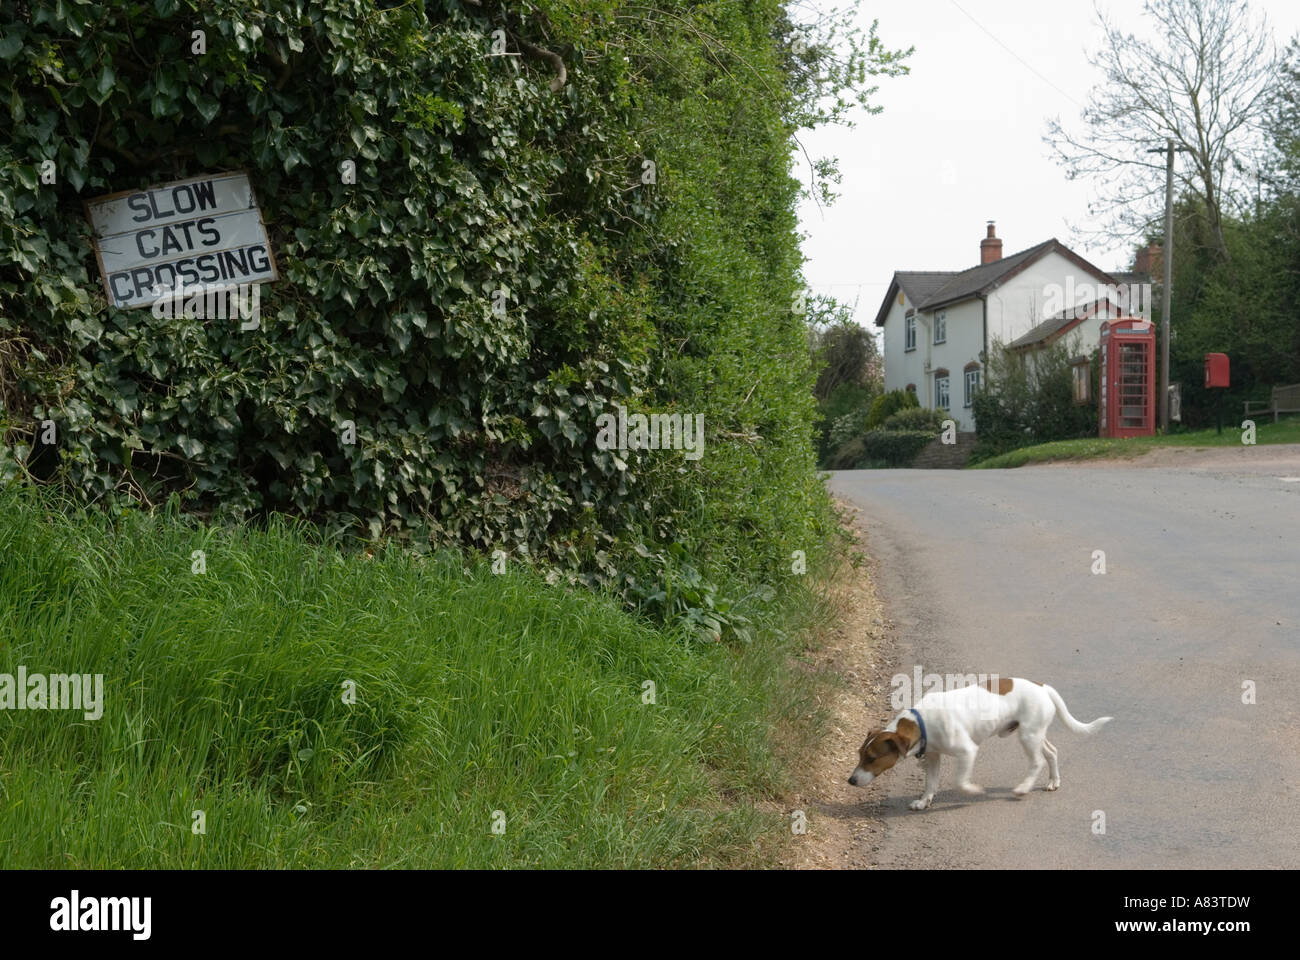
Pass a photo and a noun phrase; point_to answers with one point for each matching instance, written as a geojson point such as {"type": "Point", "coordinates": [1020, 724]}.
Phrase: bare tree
{"type": "Point", "coordinates": [1203, 80]}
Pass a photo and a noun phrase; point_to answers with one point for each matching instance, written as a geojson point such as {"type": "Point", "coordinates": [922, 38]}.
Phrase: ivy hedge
{"type": "Point", "coordinates": [557, 208]}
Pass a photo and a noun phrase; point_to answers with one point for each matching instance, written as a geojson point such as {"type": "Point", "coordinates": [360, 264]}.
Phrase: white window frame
{"type": "Point", "coordinates": [942, 397]}
{"type": "Point", "coordinates": [972, 384]}
{"type": "Point", "coordinates": [909, 332]}
{"type": "Point", "coordinates": [941, 327]}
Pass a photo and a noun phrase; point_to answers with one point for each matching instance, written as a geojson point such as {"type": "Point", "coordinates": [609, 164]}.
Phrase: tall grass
{"type": "Point", "coordinates": [225, 693]}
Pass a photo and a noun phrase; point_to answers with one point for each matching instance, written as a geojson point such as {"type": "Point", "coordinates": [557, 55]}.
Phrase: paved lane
{"type": "Point", "coordinates": [991, 571]}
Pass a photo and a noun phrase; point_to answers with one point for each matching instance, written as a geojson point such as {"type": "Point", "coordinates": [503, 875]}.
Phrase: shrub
{"type": "Point", "coordinates": [847, 427]}
{"type": "Point", "coordinates": [847, 456]}
{"type": "Point", "coordinates": [888, 404]}
{"type": "Point", "coordinates": [918, 418]}
{"type": "Point", "coordinates": [895, 448]}
{"type": "Point", "coordinates": [1026, 401]}
{"type": "Point", "coordinates": [842, 416]}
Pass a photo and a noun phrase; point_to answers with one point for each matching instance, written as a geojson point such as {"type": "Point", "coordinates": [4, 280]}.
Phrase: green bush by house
{"type": "Point", "coordinates": [1030, 400]}
{"type": "Point", "coordinates": [919, 419]}
{"type": "Point", "coordinates": [895, 448]}
{"type": "Point", "coordinates": [888, 404]}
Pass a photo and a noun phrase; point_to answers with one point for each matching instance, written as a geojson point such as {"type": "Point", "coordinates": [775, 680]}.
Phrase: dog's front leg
{"type": "Point", "coordinates": [965, 764]}
{"type": "Point", "coordinates": [931, 762]}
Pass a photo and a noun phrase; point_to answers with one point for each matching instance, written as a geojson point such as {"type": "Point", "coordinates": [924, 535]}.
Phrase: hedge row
{"type": "Point", "coordinates": [559, 208]}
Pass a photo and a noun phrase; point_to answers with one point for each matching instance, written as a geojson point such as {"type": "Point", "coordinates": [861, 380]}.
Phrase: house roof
{"type": "Point", "coordinates": [920, 285]}
{"type": "Point", "coordinates": [1067, 319]}
{"type": "Point", "coordinates": [986, 276]}
{"type": "Point", "coordinates": [928, 290]}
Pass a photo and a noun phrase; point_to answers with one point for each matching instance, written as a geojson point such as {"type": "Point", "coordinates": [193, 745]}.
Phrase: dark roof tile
{"type": "Point", "coordinates": [936, 288]}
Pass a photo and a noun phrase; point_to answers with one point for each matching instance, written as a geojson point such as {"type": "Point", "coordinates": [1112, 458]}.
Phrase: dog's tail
{"type": "Point", "coordinates": [1068, 720]}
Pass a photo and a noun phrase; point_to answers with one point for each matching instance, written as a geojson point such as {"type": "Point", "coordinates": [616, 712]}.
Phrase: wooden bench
{"type": "Point", "coordinates": [1283, 400]}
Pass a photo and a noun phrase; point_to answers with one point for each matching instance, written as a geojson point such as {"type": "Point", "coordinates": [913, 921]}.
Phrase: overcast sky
{"type": "Point", "coordinates": [960, 141]}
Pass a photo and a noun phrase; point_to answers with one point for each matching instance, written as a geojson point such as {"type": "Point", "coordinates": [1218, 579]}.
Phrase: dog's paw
{"type": "Point", "coordinates": [1053, 785]}
{"type": "Point", "coordinates": [971, 789]}
{"type": "Point", "coordinates": [1022, 789]}
{"type": "Point", "coordinates": [920, 804]}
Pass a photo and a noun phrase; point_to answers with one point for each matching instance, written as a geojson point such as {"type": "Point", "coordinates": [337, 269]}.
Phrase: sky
{"type": "Point", "coordinates": [960, 141]}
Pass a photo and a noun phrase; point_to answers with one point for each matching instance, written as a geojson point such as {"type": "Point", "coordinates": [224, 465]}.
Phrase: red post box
{"type": "Point", "coordinates": [1216, 370]}
{"type": "Point", "coordinates": [1127, 354]}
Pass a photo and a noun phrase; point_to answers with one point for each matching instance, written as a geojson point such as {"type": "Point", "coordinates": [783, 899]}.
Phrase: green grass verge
{"type": "Point", "coordinates": [1287, 431]}
{"type": "Point", "coordinates": [224, 693]}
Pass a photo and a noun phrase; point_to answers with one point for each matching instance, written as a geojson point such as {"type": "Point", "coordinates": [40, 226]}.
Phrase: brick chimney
{"type": "Point", "coordinates": [990, 247]}
{"type": "Point", "coordinates": [1149, 259]}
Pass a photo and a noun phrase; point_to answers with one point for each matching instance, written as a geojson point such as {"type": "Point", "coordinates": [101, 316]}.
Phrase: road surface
{"type": "Point", "coordinates": [992, 572]}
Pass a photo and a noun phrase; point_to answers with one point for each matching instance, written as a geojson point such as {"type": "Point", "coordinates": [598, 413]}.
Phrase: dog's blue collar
{"type": "Point", "coordinates": [921, 723]}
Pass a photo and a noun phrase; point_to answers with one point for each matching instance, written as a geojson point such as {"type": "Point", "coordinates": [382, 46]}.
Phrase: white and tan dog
{"type": "Point", "coordinates": [956, 722]}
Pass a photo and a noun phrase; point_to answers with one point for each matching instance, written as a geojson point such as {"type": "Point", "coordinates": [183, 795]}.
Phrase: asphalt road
{"type": "Point", "coordinates": [991, 572]}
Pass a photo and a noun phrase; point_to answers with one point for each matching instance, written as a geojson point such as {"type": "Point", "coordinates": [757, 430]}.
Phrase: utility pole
{"type": "Point", "coordinates": [1166, 294]}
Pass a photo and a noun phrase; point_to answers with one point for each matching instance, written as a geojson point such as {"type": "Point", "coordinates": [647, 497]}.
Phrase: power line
{"type": "Point", "coordinates": [846, 283]}
{"type": "Point", "coordinates": [1022, 60]}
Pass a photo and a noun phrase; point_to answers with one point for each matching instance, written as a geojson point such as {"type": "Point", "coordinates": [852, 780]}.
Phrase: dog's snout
{"type": "Point", "coordinates": [854, 780]}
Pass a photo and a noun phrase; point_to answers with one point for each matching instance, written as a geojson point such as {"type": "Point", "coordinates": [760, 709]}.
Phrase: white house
{"type": "Point", "coordinates": [938, 325]}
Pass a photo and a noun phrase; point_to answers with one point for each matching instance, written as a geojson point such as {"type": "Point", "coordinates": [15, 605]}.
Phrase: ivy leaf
{"type": "Point", "coordinates": [103, 86]}
{"type": "Point", "coordinates": [189, 446]}
{"type": "Point", "coordinates": [10, 46]}
{"type": "Point", "coordinates": [207, 105]}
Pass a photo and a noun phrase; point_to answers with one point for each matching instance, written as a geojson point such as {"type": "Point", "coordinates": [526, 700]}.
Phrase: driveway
{"type": "Point", "coordinates": [992, 572]}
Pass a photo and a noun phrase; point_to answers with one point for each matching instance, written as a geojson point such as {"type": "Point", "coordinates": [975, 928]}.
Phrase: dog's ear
{"type": "Point", "coordinates": [899, 744]}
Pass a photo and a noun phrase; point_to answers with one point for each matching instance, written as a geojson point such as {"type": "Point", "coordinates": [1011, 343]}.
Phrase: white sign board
{"type": "Point", "coordinates": [201, 234]}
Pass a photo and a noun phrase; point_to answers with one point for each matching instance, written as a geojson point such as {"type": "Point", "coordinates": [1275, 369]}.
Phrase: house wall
{"type": "Point", "coordinates": [962, 345]}
{"type": "Point", "coordinates": [965, 342]}
{"type": "Point", "coordinates": [1022, 302]}
{"type": "Point", "coordinates": [892, 350]}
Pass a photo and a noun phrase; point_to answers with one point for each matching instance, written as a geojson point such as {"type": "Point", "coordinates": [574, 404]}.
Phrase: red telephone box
{"type": "Point", "coordinates": [1128, 378]}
